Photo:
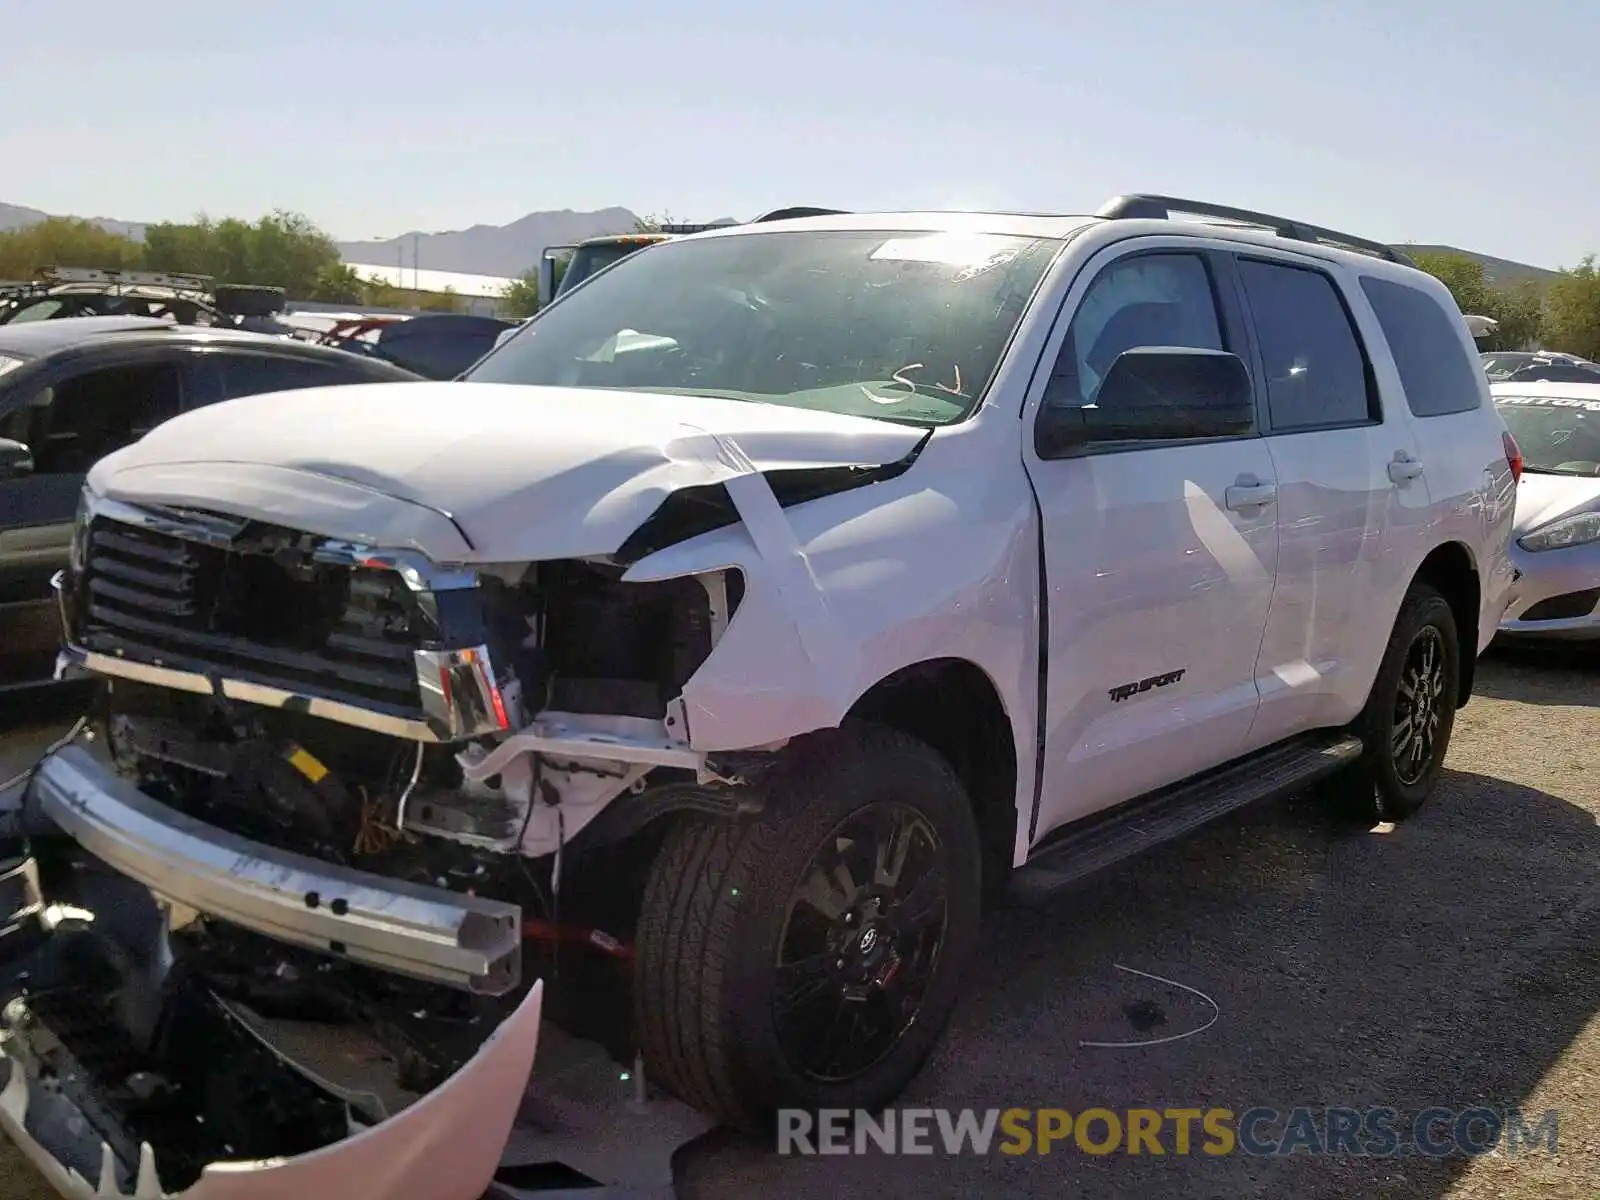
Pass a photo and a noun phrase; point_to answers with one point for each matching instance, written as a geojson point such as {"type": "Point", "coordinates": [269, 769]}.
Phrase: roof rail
{"type": "Point", "coordinates": [1140, 206]}
{"type": "Point", "coordinates": [113, 276]}
{"type": "Point", "coordinates": [796, 212]}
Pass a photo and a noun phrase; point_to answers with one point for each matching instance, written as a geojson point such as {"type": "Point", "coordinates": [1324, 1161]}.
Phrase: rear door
{"type": "Point", "coordinates": [1426, 359]}
{"type": "Point", "coordinates": [71, 415]}
{"type": "Point", "coordinates": [1352, 502]}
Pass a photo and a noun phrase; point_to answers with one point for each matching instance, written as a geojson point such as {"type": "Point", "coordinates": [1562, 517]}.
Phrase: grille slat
{"type": "Point", "coordinates": [368, 647]}
{"type": "Point", "coordinates": [170, 550]}
{"type": "Point", "coordinates": [291, 661]}
{"type": "Point", "coordinates": [347, 633]}
{"type": "Point", "coordinates": [175, 606]}
{"type": "Point", "coordinates": [171, 581]}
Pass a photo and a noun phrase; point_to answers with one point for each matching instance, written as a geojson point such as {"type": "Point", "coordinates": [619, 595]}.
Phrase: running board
{"type": "Point", "coordinates": [1172, 813]}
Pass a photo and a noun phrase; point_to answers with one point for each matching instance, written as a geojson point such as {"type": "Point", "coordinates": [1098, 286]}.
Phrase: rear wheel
{"type": "Point", "coordinates": [810, 957]}
{"type": "Point", "coordinates": [1409, 715]}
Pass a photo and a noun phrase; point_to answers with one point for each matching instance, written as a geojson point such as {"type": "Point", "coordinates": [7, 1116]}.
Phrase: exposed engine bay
{"type": "Point", "coordinates": [166, 1028]}
{"type": "Point", "coordinates": [500, 708]}
{"type": "Point", "coordinates": [495, 747]}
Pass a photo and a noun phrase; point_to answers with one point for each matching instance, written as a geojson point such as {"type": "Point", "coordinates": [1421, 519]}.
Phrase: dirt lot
{"type": "Point", "coordinates": [1451, 962]}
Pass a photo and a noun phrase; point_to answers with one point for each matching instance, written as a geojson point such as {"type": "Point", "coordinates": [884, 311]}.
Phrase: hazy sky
{"type": "Point", "coordinates": [1465, 122]}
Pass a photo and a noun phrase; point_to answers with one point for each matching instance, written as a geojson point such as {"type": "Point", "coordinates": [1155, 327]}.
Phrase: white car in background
{"type": "Point", "coordinates": [1557, 529]}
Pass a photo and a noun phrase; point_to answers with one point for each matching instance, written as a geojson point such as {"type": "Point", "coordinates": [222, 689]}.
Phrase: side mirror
{"type": "Point", "coordinates": [505, 336]}
{"type": "Point", "coordinates": [16, 459]}
{"type": "Point", "coordinates": [1156, 393]}
{"type": "Point", "coordinates": [547, 279]}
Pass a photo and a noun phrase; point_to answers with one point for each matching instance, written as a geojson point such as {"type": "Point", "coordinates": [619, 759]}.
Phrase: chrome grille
{"type": "Point", "coordinates": [273, 615]}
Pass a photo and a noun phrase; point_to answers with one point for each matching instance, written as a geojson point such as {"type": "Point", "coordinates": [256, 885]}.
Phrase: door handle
{"type": "Point", "coordinates": [1243, 496]}
{"type": "Point", "coordinates": [1404, 468]}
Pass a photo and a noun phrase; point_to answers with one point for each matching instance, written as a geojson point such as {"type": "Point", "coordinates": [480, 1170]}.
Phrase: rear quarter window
{"type": "Point", "coordinates": [1437, 373]}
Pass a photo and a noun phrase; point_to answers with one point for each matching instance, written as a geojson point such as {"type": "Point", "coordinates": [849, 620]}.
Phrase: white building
{"type": "Point", "coordinates": [480, 294]}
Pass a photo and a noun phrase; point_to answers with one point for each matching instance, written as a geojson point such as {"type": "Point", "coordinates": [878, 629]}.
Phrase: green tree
{"type": "Point", "coordinates": [521, 296]}
{"type": "Point", "coordinates": [1463, 276]}
{"type": "Point", "coordinates": [1519, 310]}
{"type": "Point", "coordinates": [169, 247]}
{"type": "Point", "coordinates": [447, 301]}
{"type": "Point", "coordinates": [1572, 311]}
{"type": "Point", "coordinates": [339, 285]}
{"type": "Point", "coordinates": [282, 249]}
{"type": "Point", "coordinates": [64, 242]}
{"type": "Point", "coordinates": [1521, 313]}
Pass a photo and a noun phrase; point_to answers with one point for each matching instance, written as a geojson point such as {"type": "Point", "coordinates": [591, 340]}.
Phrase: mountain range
{"type": "Point", "coordinates": [500, 250]}
{"type": "Point", "coordinates": [509, 250]}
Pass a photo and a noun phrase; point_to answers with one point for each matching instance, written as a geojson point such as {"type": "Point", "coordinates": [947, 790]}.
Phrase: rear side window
{"type": "Point", "coordinates": [1438, 375]}
{"type": "Point", "coordinates": [1316, 371]}
{"type": "Point", "coordinates": [84, 417]}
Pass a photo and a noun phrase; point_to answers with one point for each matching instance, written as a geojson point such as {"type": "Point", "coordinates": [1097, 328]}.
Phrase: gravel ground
{"type": "Point", "coordinates": [1452, 961]}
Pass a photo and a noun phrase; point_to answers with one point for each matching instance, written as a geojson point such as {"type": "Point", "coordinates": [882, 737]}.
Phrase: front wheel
{"type": "Point", "coordinates": [810, 957]}
{"type": "Point", "coordinates": [1410, 712]}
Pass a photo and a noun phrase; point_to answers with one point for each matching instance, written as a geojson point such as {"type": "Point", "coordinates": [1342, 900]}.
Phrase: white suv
{"type": "Point", "coordinates": [777, 594]}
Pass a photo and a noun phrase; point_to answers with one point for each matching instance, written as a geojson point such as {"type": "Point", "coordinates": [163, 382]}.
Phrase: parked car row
{"type": "Point", "coordinates": [433, 345]}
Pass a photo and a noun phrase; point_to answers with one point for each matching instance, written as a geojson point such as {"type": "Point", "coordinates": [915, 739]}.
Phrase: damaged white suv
{"type": "Point", "coordinates": [765, 602]}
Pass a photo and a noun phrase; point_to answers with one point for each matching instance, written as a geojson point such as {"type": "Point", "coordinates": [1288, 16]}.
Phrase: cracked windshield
{"type": "Point", "coordinates": [902, 326]}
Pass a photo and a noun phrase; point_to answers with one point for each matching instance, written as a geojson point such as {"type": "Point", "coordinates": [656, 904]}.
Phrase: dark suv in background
{"type": "Point", "coordinates": [73, 391]}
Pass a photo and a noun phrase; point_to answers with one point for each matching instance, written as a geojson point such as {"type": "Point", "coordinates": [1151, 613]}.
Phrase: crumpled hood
{"type": "Point", "coordinates": [1545, 498]}
{"type": "Point", "coordinates": [471, 472]}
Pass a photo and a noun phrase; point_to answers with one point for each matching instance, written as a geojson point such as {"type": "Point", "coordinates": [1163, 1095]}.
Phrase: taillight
{"type": "Point", "coordinates": [1513, 455]}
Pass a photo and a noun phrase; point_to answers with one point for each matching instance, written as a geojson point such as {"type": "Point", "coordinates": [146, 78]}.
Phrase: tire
{"type": "Point", "coordinates": [720, 918]}
{"type": "Point", "coordinates": [1390, 782]}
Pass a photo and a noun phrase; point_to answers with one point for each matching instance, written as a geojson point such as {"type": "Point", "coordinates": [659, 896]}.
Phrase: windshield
{"type": "Point", "coordinates": [903, 326]}
{"type": "Point", "coordinates": [1498, 366]}
{"type": "Point", "coordinates": [1558, 435]}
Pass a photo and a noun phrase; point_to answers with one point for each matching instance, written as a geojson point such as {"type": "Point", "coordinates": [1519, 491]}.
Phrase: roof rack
{"type": "Point", "coordinates": [680, 229]}
{"type": "Point", "coordinates": [796, 212]}
{"type": "Point", "coordinates": [1140, 206]}
{"type": "Point", "coordinates": [118, 278]}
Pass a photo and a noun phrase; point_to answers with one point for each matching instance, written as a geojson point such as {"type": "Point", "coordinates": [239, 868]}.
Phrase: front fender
{"type": "Point", "coordinates": [842, 591]}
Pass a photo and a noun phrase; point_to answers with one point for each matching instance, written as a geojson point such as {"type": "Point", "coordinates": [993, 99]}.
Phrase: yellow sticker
{"type": "Point", "coordinates": [308, 764]}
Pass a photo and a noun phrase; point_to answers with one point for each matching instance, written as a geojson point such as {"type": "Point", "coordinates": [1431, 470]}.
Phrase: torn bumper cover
{"type": "Point", "coordinates": [430, 934]}
{"type": "Point", "coordinates": [445, 1146]}
{"type": "Point", "coordinates": [125, 1071]}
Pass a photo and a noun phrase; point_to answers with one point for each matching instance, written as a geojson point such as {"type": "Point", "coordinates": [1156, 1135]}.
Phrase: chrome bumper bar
{"type": "Point", "coordinates": [464, 942]}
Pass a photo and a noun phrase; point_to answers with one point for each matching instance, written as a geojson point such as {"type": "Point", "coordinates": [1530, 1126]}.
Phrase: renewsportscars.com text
{"type": "Point", "coordinates": [1372, 1132]}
